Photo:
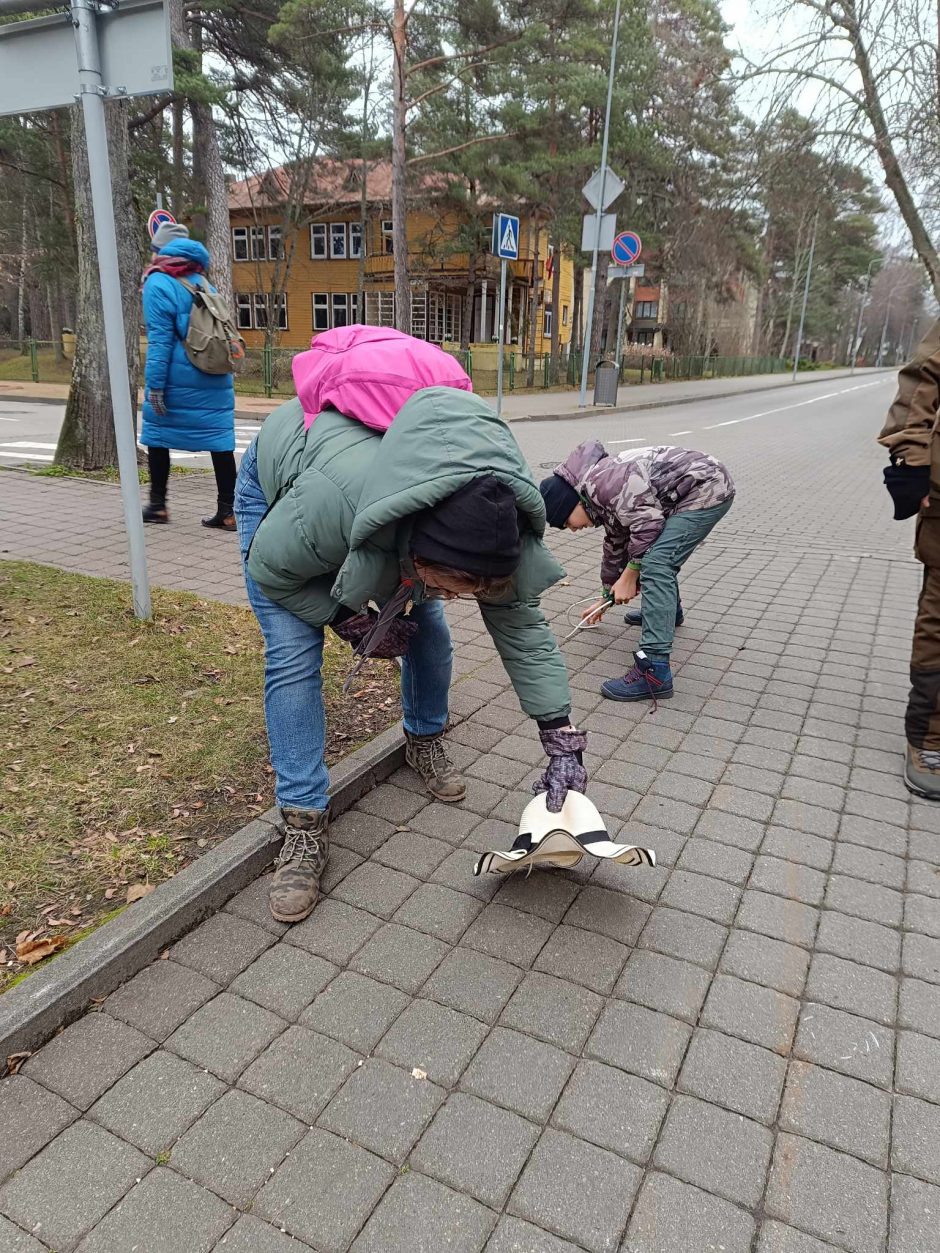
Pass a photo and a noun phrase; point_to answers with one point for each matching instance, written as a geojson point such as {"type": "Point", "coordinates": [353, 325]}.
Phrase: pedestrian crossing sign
{"type": "Point", "coordinates": [506, 236]}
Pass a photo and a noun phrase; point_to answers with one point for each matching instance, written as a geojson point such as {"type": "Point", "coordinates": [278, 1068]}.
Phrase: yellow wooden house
{"type": "Point", "coordinates": [302, 257]}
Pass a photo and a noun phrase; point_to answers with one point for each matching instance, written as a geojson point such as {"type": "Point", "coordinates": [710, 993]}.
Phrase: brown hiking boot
{"type": "Point", "coordinates": [300, 863]}
{"type": "Point", "coordinates": [427, 755]}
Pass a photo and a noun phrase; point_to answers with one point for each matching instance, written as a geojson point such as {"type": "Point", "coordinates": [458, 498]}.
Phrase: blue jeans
{"type": "Point", "coordinates": [293, 698]}
{"type": "Point", "coordinates": [660, 565]}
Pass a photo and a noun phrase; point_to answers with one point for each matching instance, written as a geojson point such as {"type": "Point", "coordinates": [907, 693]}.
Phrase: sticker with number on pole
{"type": "Point", "coordinates": [506, 236]}
{"type": "Point", "coordinates": [627, 248]}
{"type": "Point", "coordinates": [159, 218]}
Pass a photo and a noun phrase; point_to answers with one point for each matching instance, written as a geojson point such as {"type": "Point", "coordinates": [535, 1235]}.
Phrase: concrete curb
{"type": "Point", "coordinates": [52, 997]}
{"type": "Point", "coordinates": [591, 411]}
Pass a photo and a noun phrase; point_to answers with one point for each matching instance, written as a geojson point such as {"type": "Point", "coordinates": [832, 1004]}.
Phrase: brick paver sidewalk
{"type": "Point", "coordinates": [736, 1050]}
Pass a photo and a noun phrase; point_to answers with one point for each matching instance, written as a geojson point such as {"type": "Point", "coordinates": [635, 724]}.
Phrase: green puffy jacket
{"type": "Point", "coordinates": [342, 501]}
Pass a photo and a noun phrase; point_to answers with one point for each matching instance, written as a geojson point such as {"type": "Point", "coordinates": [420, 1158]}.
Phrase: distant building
{"type": "Point", "coordinates": [302, 258]}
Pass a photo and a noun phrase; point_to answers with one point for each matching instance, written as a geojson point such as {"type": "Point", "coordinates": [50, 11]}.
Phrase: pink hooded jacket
{"type": "Point", "coordinates": [368, 372]}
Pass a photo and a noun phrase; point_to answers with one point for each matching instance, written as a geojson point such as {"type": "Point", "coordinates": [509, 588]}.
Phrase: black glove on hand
{"type": "Point", "coordinates": [394, 643]}
{"type": "Point", "coordinates": [565, 770]}
{"type": "Point", "coordinates": [908, 485]}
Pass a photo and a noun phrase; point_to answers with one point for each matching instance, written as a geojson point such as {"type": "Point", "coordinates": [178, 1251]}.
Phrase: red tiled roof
{"type": "Point", "coordinates": [330, 182]}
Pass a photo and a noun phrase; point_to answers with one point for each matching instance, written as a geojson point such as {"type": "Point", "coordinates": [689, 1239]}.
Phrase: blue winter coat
{"type": "Point", "coordinates": [200, 408]}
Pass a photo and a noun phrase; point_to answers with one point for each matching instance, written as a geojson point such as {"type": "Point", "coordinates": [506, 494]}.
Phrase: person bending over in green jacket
{"type": "Point", "coordinates": [336, 519]}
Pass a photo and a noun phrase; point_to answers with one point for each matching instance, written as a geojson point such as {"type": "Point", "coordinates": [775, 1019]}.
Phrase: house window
{"type": "Point", "coordinates": [243, 311]}
{"type": "Point", "coordinates": [387, 237]}
{"type": "Point", "coordinates": [257, 238]}
{"type": "Point", "coordinates": [336, 308]}
{"type": "Point", "coordinates": [251, 310]}
{"type": "Point", "coordinates": [239, 243]}
{"type": "Point", "coordinates": [275, 243]}
{"type": "Point", "coordinates": [380, 308]}
{"type": "Point", "coordinates": [355, 239]}
{"type": "Point", "coordinates": [340, 302]}
{"type": "Point", "coordinates": [321, 311]}
{"type": "Point", "coordinates": [547, 320]}
{"type": "Point", "coordinates": [642, 337]}
{"type": "Point", "coordinates": [564, 315]}
{"type": "Point", "coordinates": [338, 240]}
{"type": "Point", "coordinates": [645, 309]}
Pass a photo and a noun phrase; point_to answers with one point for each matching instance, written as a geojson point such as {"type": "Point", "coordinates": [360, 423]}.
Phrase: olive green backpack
{"type": "Point", "coordinates": [212, 342]}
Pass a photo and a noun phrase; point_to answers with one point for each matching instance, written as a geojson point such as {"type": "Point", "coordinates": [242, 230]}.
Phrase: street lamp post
{"type": "Point", "coordinates": [856, 342]}
{"type": "Point", "coordinates": [589, 319]}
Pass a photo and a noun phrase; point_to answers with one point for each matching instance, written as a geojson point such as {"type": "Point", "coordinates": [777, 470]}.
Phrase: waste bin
{"type": "Point", "coordinates": [606, 375]}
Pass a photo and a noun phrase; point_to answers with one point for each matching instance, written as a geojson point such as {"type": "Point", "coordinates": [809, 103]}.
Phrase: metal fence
{"type": "Point", "coordinates": [267, 371]}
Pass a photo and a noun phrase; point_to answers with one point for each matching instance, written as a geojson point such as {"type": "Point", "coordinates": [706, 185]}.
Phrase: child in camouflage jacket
{"type": "Point", "coordinates": [656, 506]}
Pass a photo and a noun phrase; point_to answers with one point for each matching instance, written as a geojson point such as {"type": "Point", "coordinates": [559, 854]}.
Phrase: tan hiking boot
{"type": "Point", "coordinates": [427, 755]}
{"type": "Point", "coordinates": [922, 772]}
{"type": "Point", "coordinates": [300, 863]}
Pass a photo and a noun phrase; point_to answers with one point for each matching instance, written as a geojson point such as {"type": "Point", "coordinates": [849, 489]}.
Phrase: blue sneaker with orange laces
{"type": "Point", "coordinates": [650, 679]}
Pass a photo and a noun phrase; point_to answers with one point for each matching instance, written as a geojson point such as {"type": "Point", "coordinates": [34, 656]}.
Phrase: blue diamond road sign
{"type": "Point", "coordinates": [506, 236]}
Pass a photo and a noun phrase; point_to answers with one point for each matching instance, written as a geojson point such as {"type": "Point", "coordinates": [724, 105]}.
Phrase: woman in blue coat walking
{"type": "Point", "coordinates": [183, 407]}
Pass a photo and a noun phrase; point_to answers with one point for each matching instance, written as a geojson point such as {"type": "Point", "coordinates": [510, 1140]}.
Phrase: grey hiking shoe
{"type": "Point", "coordinates": [300, 863]}
{"type": "Point", "coordinates": [922, 772]}
{"type": "Point", "coordinates": [427, 755]}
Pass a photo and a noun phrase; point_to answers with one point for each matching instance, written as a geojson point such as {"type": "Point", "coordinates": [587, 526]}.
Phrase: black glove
{"type": "Point", "coordinates": [564, 746]}
{"type": "Point", "coordinates": [356, 627]}
{"type": "Point", "coordinates": [908, 485]}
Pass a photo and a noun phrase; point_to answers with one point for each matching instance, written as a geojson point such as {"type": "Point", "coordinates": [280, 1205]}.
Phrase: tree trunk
{"type": "Point", "coordinates": [213, 194]}
{"type": "Point", "coordinates": [400, 169]}
{"type": "Point", "coordinates": [466, 322]}
{"type": "Point", "coordinates": [21, 279]}
{"type": "Point", "coordinates": [178, 173]}
{"type": "Point", "coordinates": [556, 306]}
{"type": "Point", "coordinates": [894, 175]}
{"type": "Point", "coordinates": [210, 191]}
{"type": "Point", "coordinates": [577, 337]}
{"type": "Point", "coordinates": [54, 301]}
{"type": "Point", "coordinates": [534, 315]}
{"type": "Point", "coordinates": [86, 441]}
{"type": "Point", "coordinates": [600, 302]}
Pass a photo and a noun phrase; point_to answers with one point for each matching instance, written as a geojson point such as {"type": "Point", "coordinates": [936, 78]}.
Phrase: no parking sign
{"type": "Point", "coordinates": [627, 248]}
{"type": "Point", "coordinates": [158, 218]}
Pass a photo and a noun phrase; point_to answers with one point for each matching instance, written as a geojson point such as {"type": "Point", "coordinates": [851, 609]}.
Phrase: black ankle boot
{"type": "Point", "coordinates": [156, 511]}
{"type": "Point", "coordinates": [224, 517]}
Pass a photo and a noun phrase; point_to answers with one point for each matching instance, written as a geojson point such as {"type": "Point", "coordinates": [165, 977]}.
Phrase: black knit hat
{"type": "Point", "coordinates": [560, 499]}
{"type": "Point", "coordinates": [475, 530]}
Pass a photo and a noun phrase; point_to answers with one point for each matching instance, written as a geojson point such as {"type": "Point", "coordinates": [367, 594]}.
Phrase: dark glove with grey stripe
{"type": "Point", "coordinates": [564, 746]}
{"type": "Point", "coordinates": [355, 628]}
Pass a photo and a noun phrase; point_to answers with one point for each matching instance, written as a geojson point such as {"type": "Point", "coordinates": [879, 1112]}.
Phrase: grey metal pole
{"type": "Point", "coordinates": [809, 272]}
{"type": "Point", "coordinates": [589, 319]}
{"type": "Point", "coordinates": [624, 282]}
{"type": "Point", "coordinates": [502, 337]}
{"type": "Point", "coordinates": [856, 342]}
{"type": "Point", "coordinates": [99, 168]}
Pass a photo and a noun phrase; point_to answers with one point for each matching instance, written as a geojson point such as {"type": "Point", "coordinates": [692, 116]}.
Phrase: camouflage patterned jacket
{"type": "Point", "coordinates": [631, 495]}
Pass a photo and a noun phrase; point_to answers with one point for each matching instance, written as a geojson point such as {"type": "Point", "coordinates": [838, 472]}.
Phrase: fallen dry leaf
{"type": "Point", "coordinates": [15, 1061]}
{"type": "Point", "coordinates": [32, 951]}
{"type": "Point", "coordinates": [138, 890]}
{"type": "Point", "coordinates": [109, 893]}
{"type": "Point", "coordinates": [6, 909]}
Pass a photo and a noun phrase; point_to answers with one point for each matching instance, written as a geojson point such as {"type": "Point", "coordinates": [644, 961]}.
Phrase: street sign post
{"type": "Point", "coordinates": [601, 191]}
{"type": "Point", "coordinates": [86, 54]}
{"type": "Point", "coordinates": [617, 272]}
{"type": "Point", "coordinates": [626, 248]}
{"type": "Point", "coordinates": [506, 247]}
{"type": "Point", "coordinates": [158, 218]}
{"type": "Point", "coordinates": [600, 203]}
{"type": "Point", "coordinates": [594, 238]}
